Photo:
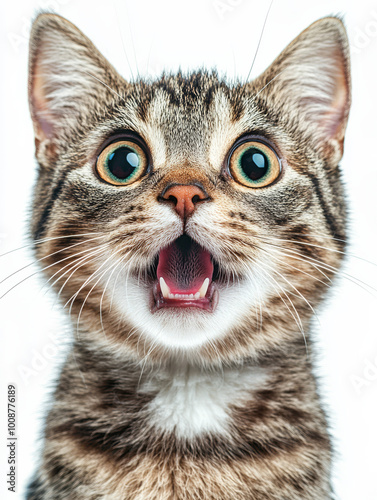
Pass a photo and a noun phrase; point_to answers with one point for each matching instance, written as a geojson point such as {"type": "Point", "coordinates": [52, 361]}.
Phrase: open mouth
{"type": "Point", "coordinates": [185, 276]}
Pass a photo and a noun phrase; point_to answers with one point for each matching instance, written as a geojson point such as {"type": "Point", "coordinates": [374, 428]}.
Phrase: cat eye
{"type": "Point", "coordinates": [254, 164]}
{"type": "Point", "coordinates": [122, 163]}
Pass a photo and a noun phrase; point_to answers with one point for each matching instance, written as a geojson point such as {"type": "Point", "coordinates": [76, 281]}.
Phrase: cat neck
{"type": "Point", "coordinates": [183, 399]}
{"type": "Point", "coordinates": [191, 401]}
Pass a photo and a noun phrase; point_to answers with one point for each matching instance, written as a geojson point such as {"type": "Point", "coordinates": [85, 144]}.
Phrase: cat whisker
{"type": "Point", "coordinates": [324, 266]}
{"type": "Point", "coordinates": [87, 281]}
{"type": "Point", "coordinates": [44, 240]}
{"type": "Point", "coordinates": [75, 267]}
{"type": "Point", "coordinates": [280, 251]}
{"type": "Point", "coordinates": [318, 246]}
{"type": "Point", "coordinates": [328, 267]}
{"type": "Point", "coordinates": [93, 287]}
{"type": "Point", "coordinates": [46, 257]}
{"type": "Point", "coordinates": [265, 275]}
{"type": "Point", "coordinates": [295, 316]}
{"type": "Point", "coordinates": [120, 262]}
{"type": "Point", "coordinates": [72, 265]}
{"type": "Point", "coordinates": [296, 290]}
{"type": "Point", "coordinates": [92, 277]}
{"type": "Point", "coordinates": [127, 279]}
{"type": "Point", "coordinates": [282, 261]}
{"type": "Point", "coordinates": [80, 371]}
{"type": "Point", "coordinates": [37, 272]}
{"type": "Point", "coordinates": [317, 235]}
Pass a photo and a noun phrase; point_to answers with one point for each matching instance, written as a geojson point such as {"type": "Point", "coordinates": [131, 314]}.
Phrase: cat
{"type": "Point", "coordinates": [191, 227]}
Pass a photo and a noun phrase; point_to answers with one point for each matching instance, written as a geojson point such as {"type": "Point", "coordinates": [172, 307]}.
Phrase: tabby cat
{"type": "Point", "coordinates": [190, 227]}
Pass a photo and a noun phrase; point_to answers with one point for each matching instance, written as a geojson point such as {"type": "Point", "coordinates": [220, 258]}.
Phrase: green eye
{"type": "Point", "coordinates": [121, 163]}
{"type": "Point", "coordinates": [254, 164]}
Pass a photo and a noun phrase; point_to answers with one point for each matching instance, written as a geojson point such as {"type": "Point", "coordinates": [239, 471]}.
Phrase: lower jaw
{"type": "Point", "coordinates": [207, 303]}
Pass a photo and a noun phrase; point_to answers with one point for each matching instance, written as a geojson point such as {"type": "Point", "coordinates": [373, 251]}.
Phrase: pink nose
{"type": "Point", "coordinates": [184, 198]}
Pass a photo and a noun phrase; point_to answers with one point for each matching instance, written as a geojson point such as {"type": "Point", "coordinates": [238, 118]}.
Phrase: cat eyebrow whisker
{"type": "Point", "coordinates": [122, 39]}
{"type": "Point", "coordinates": [132, 38]}
{"type": "Point", "coordinates": [104, 84]}
{"type": "Point", "coordinates": [265, 86]}
{"type": "Point", "coordinates": [259, 41]}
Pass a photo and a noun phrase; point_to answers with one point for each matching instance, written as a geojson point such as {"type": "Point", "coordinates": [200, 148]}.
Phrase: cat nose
{"type": "Point", "coordinates": [184, 198]}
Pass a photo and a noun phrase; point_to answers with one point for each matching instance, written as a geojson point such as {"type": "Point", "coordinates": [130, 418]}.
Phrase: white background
{"type": "Point", "coordinates": [168, 34]}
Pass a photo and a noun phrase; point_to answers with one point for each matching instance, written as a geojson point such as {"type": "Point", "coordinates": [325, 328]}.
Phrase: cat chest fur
{"type": "Point", "coordinates": [191, 402]}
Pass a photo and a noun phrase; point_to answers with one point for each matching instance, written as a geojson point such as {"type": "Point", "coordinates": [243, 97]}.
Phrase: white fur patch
{"type": "Point", "coordinates": [184, 330]}
{"type": "Point", "coordinates": [191, 402]}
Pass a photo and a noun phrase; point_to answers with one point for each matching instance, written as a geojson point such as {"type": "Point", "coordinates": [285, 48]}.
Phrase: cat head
{"type": "Point", "coordinates": [186, 217]}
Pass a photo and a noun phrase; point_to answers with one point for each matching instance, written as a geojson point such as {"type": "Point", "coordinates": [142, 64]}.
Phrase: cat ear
{"type": "Point", "coordinates": [310, 80]}
{"type": "Point", "coordinates": [67, 77]}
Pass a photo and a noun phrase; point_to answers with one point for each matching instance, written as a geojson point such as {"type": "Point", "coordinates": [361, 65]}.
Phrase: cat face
{"type": "Point", "coordinates": [186, 217]}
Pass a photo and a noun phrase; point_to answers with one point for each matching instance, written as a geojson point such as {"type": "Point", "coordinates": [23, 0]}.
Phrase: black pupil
{"type": "Point", "coordinates": [254, 164]}
{"type": "Point", "coordinates": [122, 162]}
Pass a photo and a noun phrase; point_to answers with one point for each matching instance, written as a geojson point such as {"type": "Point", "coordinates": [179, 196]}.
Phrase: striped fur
{"type": "Point", "coordinates": [188, 404]}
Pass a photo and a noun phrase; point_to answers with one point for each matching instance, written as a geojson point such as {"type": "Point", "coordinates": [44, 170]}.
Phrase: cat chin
{"type": "Point", "coordinates": [184, 329]}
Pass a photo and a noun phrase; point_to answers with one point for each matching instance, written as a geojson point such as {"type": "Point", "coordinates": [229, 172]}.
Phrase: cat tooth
{"type": "Point", "coordinates": [165, 290]}
{"type": "Point", "coordinates": [182, 296]}
{"type": "Point", "coordinates": [204, 288]}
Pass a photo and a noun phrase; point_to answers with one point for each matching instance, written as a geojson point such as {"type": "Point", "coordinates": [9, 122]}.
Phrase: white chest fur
{"type": "Point", "coordinates": [193, 402]}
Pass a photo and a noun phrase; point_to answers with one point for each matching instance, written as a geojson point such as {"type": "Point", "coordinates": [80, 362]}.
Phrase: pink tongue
{"type": "Point", "coordinates": [184, 265]}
